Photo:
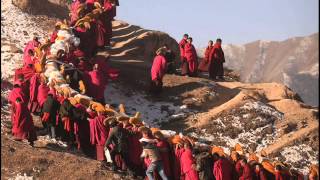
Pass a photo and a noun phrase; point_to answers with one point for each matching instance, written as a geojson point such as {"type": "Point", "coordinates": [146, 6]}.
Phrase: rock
{"type": "Point", "coordinates": [14, 49]}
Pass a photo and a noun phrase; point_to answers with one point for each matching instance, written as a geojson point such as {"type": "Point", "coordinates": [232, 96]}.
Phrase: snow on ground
{"type": "Point", "coordinates": [152, 113]}
{"type": "Point", "coordinates": [22, 177]}
{"type": "Point", "coordinates": [251, 125]}
{"type": "Point", "coordinates": [300, 156]}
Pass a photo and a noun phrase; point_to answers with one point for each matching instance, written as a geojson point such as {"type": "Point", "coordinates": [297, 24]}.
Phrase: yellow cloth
{"type": "Point", "coordinates": [82, 87]}
{"type": "Point", "coordinates": [98, 107]}
{"type": "Point", "coordinates": [268, 166]}
{"type": "Point", "coordinates": [122, 109]}
{"type": "Point", "coordinates": [73, 101]}
{"type": "Point", "coordinates": [218, 150]}
{"type": "Point", "coordinates": [38, 67]}
{"type": "Point", "coordinates": [135, 121]}
{"type": "Point", "coordinates": [239, 149]}
{"type": "Point", "coordinates": [253, 157]}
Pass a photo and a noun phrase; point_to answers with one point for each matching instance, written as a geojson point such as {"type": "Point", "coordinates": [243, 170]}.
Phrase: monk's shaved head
{"type": "Point", "coordinates": [185, 36]}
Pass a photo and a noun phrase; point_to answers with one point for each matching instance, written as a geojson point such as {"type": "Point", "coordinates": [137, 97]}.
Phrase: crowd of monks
{"type": "Point", "coordinates": [107, 133]}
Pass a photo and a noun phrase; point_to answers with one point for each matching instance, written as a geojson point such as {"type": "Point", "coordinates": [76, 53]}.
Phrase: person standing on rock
{"type": "Point", "coordinates": [191, 57]}
{"type": "Point", "coordinates": [216, 60]}
{"type": "Point", "coordinates": [158, 70]}
{"type": "Point", "coordinates": [203, 66]}
{"type": "Point", "coordinates": [184, 63]}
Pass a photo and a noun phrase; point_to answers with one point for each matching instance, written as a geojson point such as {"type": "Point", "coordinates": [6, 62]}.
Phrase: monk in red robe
{"type": "Point", "coordinates": [16, 92]}
{"type": "Point", "coordinates": [22, 125]}
{"type": "Point", "coordinates": [184, 63]}
{"type": "Point", "coordinates": [43, 91]}
{"type": "Point", "coordinates": [222, 168]}
{"type": "Point", "coordinates": [187, 164]}
{"type": "Point", "coordinates": [87, 40]}
{"type": "Point", "coordinates": [27, 71]}
{"type": "Point", "coordinates": [29, 59]}
{"type": "Point", "coordinates": [216, 58]}
{"type": "Point", "coordinates": [164, 149]}
{"type": "Point", "coordinates": [31, 45]}
{"type": "Point", "coordinates": [259, 173]}
{"type": "Point", "coordinates": [247, 172]}
{"type": "Point", "coordinates": [33, 89]}
{"type": "Point", "coordinates": [107, 18]}
{"type": "Point", "coordinates": [192, 58]}
{"type": "Point", "coordinates": [73, 10]}
{"type": "Point", "coordinates": [98, 84]}
{"type": "Point", "coordinates": [98, 135]}
{"type": "Point", "coordinates": [158, 70]}
{"type": "Point", "coordinates": [102, 61]}
{"type": "Point", "coordinates": [203, 66]}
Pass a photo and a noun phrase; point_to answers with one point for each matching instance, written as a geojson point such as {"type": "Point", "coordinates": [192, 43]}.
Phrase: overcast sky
{"type": "Point", "coordinates": [235, 21]}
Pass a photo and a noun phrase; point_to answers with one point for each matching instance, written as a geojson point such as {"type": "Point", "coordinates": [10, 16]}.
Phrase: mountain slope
{"type": "Point", "coordinates": [293, 62]}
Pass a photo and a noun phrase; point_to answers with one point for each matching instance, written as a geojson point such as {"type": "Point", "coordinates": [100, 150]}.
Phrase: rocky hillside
{"type": "Point", "coordinates": [293, 62]}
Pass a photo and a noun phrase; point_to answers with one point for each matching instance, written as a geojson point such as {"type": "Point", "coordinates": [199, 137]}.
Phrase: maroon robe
{"type": "Point", "coordinates": [107, 20]}
{"type": "Point", "coordinates": [30, 45]}
{"type": "Point", "coordinates": [43, 91]}
{"type": "Point", "coordinates": [192, 58]}
{"type": "Point", "coordinates": [186, 161]}
{"type": "Point", "coordinates": [222, 169]}
{"type": "Point", "coordinates": [158, 68]}
{"type": "Point", "coordinates": [98, 135]}
{"type": "Point", "coordinates": [246, 173]}
{"type": "Point", "coordinates": [97, 85]}
{"type": "Point", "coordinates": [204, 64]}
{"type": "Point", "coordinates": [33, 91]}
{"type": "Point", "coordinates": [182, 44]}
{"type": "Point", "coordinates": [216, 60]}
{"type": "Point", "coordinates": [164, 148]}
{"type": "Point", "coordinates": [100, 31]}
{"type": "Point", "coordinates": [26, 71]}
{"type": "Point", "coordinates": [22, 125]}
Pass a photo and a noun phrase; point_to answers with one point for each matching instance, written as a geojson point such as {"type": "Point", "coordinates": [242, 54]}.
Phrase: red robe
{"type": "Point", "coordinates": [192, 58]}
{"type": "Point", "coordinates": [246, 173]}
{"type": "Point", "coordinates": [30, 45]}
{"type": "Point", "coordinates": [17, 93]}
{"type": "Point", "coordinates": [182, 44]}
{"type": "Point", "coordinates": [165, 156]}
{"type": "Point", "coordinates": [239, 168]}
{"type": "Point", "coordinates": [97, 85]}
{"type": "Point", "coordinates": [28, 60]}
{"type": "Point", "coordinates": [98, 135]}
{"type": "Point", "coordinates": [158, 68]}
{"type": "Point", "coordinates": [222, 169]}
{"type": "Point", "coordinates": [33, 91]}
{"type": "Point", "coordinates": [111, 73]}
{"type": "Point", "coordinates": [107, 18]}
{"type": "Point", "coordinates": [22, 125]}
{"type": "Point", "coordinates": [203, 66]}
{"type": "Point", "coordinates": [26, 71]}
{"type": "Point", "coordinates": [53, 36]}
{"type": "Point", "coordinates": [260, 175]}
{"type": "Point", "coordinates": [43, 91]}
{"type": "Point", "coordinates": [186, 162]}
{"type": "Point", "coordinates": [73, 10]}
{"type": "Point", "coordinates": [100, 31]}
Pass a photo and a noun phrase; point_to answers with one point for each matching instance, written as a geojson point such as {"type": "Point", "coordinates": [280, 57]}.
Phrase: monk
{"type": "Point", "coordinates": [170, 57]}
{"type": "Point", "coordinates": [188, 164]}
{"type": "Point", "coordinates": [50, 110]}
{"type": "Point", "coordinates": [164, 149]}
{"type": "Point", "coordinates": [29, 58]}
{"type": "Point", "coordinates": [98, 135]}
{"type": "Point", "coordinates": [216, 60]}
{"type": "Point", "coordinates": [33, 89]}
{"type": "Point", "coordinates": [278, 173]}
{"type": "Point", "coordinates": [66, 115]}
{"type": "Point", "coordinates": [87, 40]}
{"type": "Point", "coordinates": [102, 61]}
{"type": "Point", "coordinates": [107, 17]}
{"type": "Point", "coordinates": [43, 91]}
{"type": "Point", "coordinates": [27, 71]}
{"type": "Point", "coordinates": [259, 173]}
{"type": "Point", "coordinates": [246, 173]}
{"type": "Point", "coordinates": [22, 125]}
{"type": "Point", "coordinates": [184, 63]}
{"type": "Point", "coordinates": [191, 57]}
{"type": "Point", "coordinates": [222, 168]}
{"type": "Point", "coordinates": [73, 10]}
{"type": "Point", "coordinates": [82, 129]}
{"type": "Point", "coordinates": [203, 66]}
{"type": "Point", "coordinates": [158, 70]}
{"type": "Point", "coordinates": [31, 45]}
{"type": "Point", "coordinates": [16, 92]}
{"type": "Point", "coordinates": [54, 34]}
{"type": "Point", "coordinates": [204, 165]}
{"type": "Point", "coordinates": [97, 84]}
